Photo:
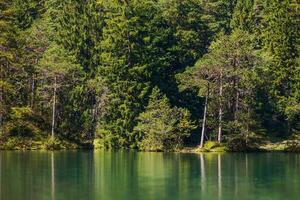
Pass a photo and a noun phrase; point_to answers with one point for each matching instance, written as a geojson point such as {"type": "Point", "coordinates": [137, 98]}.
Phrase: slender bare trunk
{"type": "Point", "coordinates": [204, 117]}
{"type": "Point", "coordinates": [220, 108]}
{"type": "Point", "coordinates": [54, 107]}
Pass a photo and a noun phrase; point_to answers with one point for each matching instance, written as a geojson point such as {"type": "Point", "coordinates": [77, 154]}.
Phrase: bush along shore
{"type": "Point", "coordinates": [291, 145]}
{"type": "Point", "coordinates": [288, 146]}
{"type": "Point", "coordinates": [21, 143]}
{"type": "Point", "coordinates": [222, 75]}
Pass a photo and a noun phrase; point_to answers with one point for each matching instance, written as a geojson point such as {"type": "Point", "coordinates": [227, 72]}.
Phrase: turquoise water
{"type": "Point", "coordinates": [114, 175]}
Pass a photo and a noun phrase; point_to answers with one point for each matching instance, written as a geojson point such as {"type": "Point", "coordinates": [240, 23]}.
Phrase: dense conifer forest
{"type": "Point", "coordinates": [149, 74]}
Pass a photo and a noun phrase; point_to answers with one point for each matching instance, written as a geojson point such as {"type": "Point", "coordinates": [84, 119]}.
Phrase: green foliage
{"type": "Point", "coordinates": [77, 26]}
{"type": "Point", "coordinates": [293, 147]}
{"type": "Point", "coordinates": [27, 11]}
{"type": "Point", "coordinates": [231, 64]}
{"type": "Point", "coordinates": [217, 14]}
{"type": "Point", "coordinates": [243, 16]}
{"type": "Point", "coordinates": [280, 39]}
{"type": "Point", "coordinates": [21, 123]}
{"type": "Point", "coordinates": [161, 127]}
{"type": "Point", "coordinates": [18, 143]}
{"type": "Point", "coordinates": [8, 60]}
{"type": "Point", "coordinates": [56, 61]}
{"type": "Point", "coordinates": [237, 144]}
{"type": "Point", "coordinates": [209, 145]}
{"type": "Point", "coordinates": [101, 59]}
{"type": "Point", "coordinates": [53, 144]}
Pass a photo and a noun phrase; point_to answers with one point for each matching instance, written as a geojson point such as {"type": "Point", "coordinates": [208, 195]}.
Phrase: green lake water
{"type": "Point", "coordinates": [122, 175]}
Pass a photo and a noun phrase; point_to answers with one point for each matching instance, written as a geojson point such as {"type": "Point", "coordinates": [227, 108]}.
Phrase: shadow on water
{"type": "Point", "coordinates": [113, 175]}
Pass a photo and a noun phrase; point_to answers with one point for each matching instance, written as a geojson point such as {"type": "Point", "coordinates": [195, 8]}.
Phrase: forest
{"type": "Point", "coordinates": [152, 75]}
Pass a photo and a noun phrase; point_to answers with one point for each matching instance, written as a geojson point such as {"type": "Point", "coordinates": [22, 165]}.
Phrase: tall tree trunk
{"type": "Point", "coordinates": [54, 108]}
{"type": "Point", "coordinates": [220, 107]}
{"type": "Point", "coordinates": [204, 117]}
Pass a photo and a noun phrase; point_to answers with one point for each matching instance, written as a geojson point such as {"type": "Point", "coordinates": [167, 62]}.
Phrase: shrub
{"type": "Point", "coordinates": [19, 124]}
{"type": "Point", "coordinates": [160, 127]}
{"type": "Point", "coordinates": [16, 143]}
{"type": "Point", "coordinates": [242, 143]}
{"type": "Point", "coordinates": [53, 144]}
{"type": "Point", "coordinates": [210, 145]}
{"type": "Point", "coordinates": [293, 146]}
{"type": "Point", "coordinates": [237, 144]}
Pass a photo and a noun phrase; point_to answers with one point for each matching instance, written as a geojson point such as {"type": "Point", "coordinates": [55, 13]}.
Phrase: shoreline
{"type": "Point", "coordinates": [184, 150]}
{"type": "Point", "coordinates": [291, 145]}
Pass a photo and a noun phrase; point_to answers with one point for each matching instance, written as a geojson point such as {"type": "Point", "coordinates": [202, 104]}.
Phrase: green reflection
{"type": "Point", "coordinates": [113, 175]}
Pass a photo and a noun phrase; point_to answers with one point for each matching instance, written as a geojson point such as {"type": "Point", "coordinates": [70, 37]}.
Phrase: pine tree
{"type": "Point", "coordinates": [226, 69]}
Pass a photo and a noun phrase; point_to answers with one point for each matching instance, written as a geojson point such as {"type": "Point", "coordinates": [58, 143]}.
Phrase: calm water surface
{"type": "Point", "coordinates": [114, 175]}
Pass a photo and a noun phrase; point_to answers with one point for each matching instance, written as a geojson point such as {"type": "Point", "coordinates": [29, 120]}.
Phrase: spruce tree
{"type": "Point", "coordinates": [124, 68]}
{"type": "Point", "coordinates": [280, 40]}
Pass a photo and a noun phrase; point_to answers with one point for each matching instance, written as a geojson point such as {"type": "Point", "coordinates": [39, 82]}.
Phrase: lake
{"type": "Point", "coordinates": [114, 175]}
